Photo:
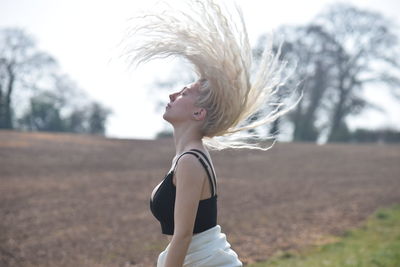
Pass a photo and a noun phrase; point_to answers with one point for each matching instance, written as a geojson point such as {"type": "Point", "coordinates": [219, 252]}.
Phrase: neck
{"type": "Point", "coordinates": [186, 138]}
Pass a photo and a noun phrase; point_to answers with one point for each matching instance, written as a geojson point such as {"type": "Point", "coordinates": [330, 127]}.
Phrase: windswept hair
{"type": "Point", "coordinates": [220, 52]}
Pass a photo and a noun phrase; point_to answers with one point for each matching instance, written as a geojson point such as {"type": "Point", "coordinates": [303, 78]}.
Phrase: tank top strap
{"type": "Point", "coordinates": [214, 180]}
{"type": "Point", "coordinates": [204, 165]}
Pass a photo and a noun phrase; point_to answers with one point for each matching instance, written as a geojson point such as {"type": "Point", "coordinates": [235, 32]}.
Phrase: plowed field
{"type": "Point", "coordinates": [76, 200]}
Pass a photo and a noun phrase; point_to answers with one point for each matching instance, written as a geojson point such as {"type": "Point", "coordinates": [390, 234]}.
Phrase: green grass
{"type": "Point", "coordinates": [376, 243]}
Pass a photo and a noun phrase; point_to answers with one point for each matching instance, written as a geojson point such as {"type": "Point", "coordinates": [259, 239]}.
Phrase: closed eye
{"type": "Point", "coordinates": [183, 92]}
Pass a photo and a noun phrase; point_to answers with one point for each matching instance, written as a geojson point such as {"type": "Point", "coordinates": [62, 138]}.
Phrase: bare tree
{"type": "Point", "coordinates": [368, 53]}
{"type": "Point", "coordinates": [337, 56]}
{"type": "Point", "coordinates": [311, 50]}
{"type": "Point", "coordinates": [308, 54]}
{"type": "Point", "coordinates": [21, 65]}
{"type": "Point", "coordinates": [56, 102]}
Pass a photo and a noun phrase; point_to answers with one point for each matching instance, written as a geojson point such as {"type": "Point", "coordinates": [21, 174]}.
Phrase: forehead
{"type": "Point", "coordinates": [191, 88]}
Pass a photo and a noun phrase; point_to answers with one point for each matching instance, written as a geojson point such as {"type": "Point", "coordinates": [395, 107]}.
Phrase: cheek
{"type": "Point", "coordinates": [185, 105]}
{"type": "Point", "coordinates": [181, 111]}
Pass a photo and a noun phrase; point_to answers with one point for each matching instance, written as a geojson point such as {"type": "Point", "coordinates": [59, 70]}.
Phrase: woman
{"type": "Point", "coordinates": [186, 201]}
{"type": "Point", "coordinates": [212, 112]}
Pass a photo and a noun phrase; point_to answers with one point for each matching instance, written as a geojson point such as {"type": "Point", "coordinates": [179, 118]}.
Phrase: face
{"type": "Point", "coordinates": [182, 104]}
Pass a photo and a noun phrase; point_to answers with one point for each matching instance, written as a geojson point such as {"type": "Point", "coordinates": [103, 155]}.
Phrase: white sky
{"type": "Point", "coordinates": [83, 35]}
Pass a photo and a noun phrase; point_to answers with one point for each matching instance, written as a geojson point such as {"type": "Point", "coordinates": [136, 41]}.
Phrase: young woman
{"type": "Point", "coordinates": [185, 202]}
{"type": "Point", "coordinates": [212, 112]}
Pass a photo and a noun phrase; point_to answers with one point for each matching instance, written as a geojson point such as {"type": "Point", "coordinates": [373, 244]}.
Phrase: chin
{"type": "Point", "coordinates": [165, 117]}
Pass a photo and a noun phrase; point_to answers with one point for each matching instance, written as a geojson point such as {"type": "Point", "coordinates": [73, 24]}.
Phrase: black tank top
{"type": "Point", "coordinates": [163, 203]}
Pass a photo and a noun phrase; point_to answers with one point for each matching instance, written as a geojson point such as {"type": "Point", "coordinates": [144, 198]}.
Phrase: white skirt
{"type": "Point", "coordinates": [207, 249]}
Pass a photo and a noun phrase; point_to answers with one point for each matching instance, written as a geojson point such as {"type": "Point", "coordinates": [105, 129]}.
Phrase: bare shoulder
{"type": "Point", "coordinates": [189, 163]}
{"type": "Point", "coordinates": [189, 168]}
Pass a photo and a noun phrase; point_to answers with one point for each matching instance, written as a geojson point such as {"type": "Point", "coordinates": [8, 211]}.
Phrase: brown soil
{"type": "Point", "coordinates": [76, 200]}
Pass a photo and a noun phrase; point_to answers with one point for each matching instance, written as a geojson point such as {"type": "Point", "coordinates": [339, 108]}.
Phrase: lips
{"type": "Point", "coordinates": [168, 105]}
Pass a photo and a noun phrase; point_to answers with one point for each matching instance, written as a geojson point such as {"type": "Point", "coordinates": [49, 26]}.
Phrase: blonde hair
{"type": "Point", "coordinates": [220, 52]}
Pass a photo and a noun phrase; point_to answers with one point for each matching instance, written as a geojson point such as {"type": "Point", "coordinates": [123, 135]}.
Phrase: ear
{"type": "Point", "coordinates": [200, 114]}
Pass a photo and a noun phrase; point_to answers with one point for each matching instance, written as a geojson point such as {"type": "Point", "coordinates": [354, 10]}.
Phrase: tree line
{"type": "Point", "coordinates": [36, 96]}
{"type": "Point", "coordinates": [338, 55]}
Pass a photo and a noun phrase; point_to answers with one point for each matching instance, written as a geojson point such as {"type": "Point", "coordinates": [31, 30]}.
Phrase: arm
{"type": "Point", "coordinates": [189, 181]}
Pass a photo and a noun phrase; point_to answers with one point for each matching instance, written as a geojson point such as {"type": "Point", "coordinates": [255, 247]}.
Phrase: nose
{"type": "Point", "coordinates": [172, 96]}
